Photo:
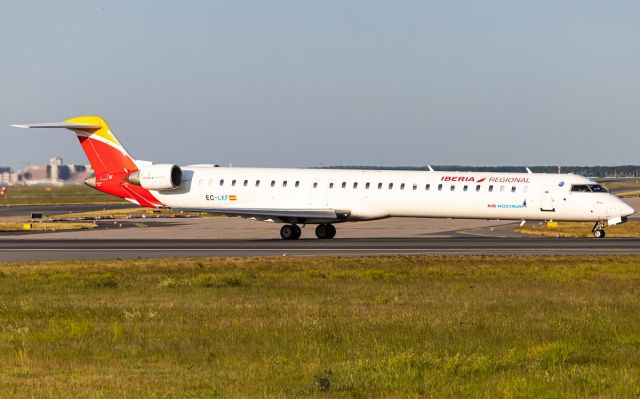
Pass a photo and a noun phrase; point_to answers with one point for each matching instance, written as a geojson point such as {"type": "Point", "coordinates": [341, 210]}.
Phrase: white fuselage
{"type": "Point", "coordinates": [376, 194]}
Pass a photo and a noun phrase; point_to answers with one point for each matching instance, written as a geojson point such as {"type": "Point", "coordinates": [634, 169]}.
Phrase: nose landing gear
{"type": "Point", "coordinates": [598, 229]}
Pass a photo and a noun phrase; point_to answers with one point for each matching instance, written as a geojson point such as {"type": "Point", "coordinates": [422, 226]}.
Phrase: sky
{"type": "Point", "coordinates": [303, 83]}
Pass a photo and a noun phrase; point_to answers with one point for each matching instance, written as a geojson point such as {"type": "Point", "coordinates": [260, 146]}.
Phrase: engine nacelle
{"type": "Point", "coordinates": [157, 177]}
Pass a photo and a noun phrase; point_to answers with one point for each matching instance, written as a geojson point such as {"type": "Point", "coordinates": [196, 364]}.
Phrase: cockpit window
{"type": "Point", "coordinates": [589, 188]}
{"type": "Point", "coordinates": [596, 188]}
{"type": "Point", "coordinates": [582, 188]}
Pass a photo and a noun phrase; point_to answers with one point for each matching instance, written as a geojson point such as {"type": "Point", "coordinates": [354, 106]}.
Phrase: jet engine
{"type": "Point", "coordinates": [157, 177]}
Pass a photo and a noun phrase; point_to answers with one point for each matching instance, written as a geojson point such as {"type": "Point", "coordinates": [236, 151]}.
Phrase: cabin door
{"type": "Point", "coordinates": [546, 202]}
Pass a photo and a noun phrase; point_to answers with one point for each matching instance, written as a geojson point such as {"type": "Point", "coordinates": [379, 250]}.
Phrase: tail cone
{"type": "Point", "coordinates": [91, 182]}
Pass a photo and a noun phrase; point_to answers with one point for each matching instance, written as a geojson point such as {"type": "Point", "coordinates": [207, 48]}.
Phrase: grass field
{"type": "Point", "coordinates": [44, 226]}
{"type": "Point", "coordinates": [624, 189]}
{"type": "Point", "coordinates": [579, 229]}
{"type": "Point", "coordinates": [133, 212]}
{"type": "Point", "coordinates": [617, 184]}
{"type": "Point", "coordinates": [49, 195]}
{"type": "Point", "coordinates": [322, 327]}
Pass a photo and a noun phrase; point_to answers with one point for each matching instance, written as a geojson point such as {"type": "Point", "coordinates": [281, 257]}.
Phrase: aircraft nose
{"type": "Point", "coordinates": [626, 210]}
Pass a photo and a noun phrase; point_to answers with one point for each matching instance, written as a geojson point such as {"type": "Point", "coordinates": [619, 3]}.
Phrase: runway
{"type": "Point", "coordinates": [45, 249]}
{"type": "Point", "coordinates": [134, 238]}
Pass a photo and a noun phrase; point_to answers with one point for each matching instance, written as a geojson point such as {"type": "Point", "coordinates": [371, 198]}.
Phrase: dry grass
{"type": "Point", "coordinates": [617, 184]}
{"type": "Point", "coordinates": [579, 229]}
{"type": "Point", "coordinates": [629, 194]}
{"type": "Point", "coordinates": [49, 195]}
{"type": "Point", "coordinates": [44, 226]}
{"type": "Point", "coordinates": [133, 212]}
{"type": "Point", "coordinates": [322, 327]}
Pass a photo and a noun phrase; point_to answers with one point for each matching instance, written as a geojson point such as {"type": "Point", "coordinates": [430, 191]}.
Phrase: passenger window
{"type": "Point", "coordinates": [491, 188]}
{"type": "Point", "coordinates": [284, 183]}
{"type": "Point", "coordinates": [427, 187]}
{"type": "Point", "coordinates": [390, 186]}
{"type": "Point", "coordinates": [415, 186]}
{"type": "Point", "coordinates": [366, 186]}
{"type": "Point", "coordinates": [465, 188]}
{"type": "Point", "coordinates": [439, 187]}
{"type": "Point", "coordinates": [233, 182]}
{"type": "Point", "coordinates": [502, 189]}
{"type": "Point", "coordinates": [257, 183]}
{"type": "Point", "coordinates": [344, 184]}
{"type": "Point", "coordinates": [221, 182]}
{"type": "Point", "coordinates": [330, 185]}
{"type": "Point", "coordinates": [513, 189]}
{"type": "Point", "coordinates": [355, 185]}
{"type": "Point", "coordinates": [297, 183]}
{"type": "Point", "coordinates": [211, 182]}
{"type": "Point", "coordinates": [402, 186]}
{"type": "Point", "coordinates": [315, 185]}
{"type": "Point", "coordinates": [273, 183]}
{"type": "Point", "coordinates": [453, 187]}
{"type": "Point", "coordinates": [245, 183]}
{"type": "Point", "coordinates": [379, 186]}
{"type": "Point", "coordinates": [478, 187]}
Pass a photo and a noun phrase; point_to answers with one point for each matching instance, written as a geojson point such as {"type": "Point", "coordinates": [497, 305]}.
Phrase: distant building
{"type": "Point", "coordinates": [8, 177]}
{"type": "Point", "coordinates": [56, 172]}
{"type": "Point", "coordinates": [55, 164]}
{"type": "Point", "coordinates": [36, 172]}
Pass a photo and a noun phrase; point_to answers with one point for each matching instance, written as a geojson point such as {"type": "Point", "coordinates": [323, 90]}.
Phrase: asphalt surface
{"type": "Point", "coordinates": [26, 210]}
{"type": "Point", "coordinates": [20, 250]}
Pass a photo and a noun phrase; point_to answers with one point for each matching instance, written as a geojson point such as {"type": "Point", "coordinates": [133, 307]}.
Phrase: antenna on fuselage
{"type": "Point", "coordinates": [430, 168]}
{"type": "Point", "coordinates": [528, 170]}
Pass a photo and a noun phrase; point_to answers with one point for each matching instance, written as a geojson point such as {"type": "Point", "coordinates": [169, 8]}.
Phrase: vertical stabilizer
{"type": "Point", "coordinates": [104, 151]}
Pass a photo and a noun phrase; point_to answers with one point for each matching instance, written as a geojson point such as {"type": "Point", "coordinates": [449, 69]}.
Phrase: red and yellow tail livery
{"type": "Point", "coordinates": [109, 160]}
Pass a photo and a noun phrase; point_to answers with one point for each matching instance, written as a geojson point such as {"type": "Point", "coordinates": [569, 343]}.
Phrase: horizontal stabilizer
{"type": "Point", "coordinates": [58, 125]}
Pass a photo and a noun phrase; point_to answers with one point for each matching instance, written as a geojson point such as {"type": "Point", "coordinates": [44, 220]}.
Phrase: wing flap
{"type": "Point", "coordinates": [328, 214]}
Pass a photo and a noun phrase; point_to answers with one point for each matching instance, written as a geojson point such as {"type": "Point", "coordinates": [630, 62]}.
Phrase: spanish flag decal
{"type": "Point", "coordinates": [232, 198]}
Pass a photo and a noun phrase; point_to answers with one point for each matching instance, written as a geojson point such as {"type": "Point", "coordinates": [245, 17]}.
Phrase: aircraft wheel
{"type": "Point", "coordinates": [325, 230]}
{"type": "Point", "coordinates": [332, 231]}
{"type": "Point", "coordinates": [322, 231]}
{"type": "Point", "coordinates": [599, 233]}
{"type": "Point", "coordinates": [289, 232]}
{"type": "Point", "coordinates": [298, 231]}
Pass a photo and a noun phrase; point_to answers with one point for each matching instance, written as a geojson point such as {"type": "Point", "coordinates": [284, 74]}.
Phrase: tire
{"type": "Point", "coordinates": [322, 231]}
{"type": "Point", "coordinates": [298, 231]}
{"type": "Point", "coordinates": [332, 231]}
{"type": "Point", "coordinates": [288, 232]}
{"type": "Point", "coordinates": [599, 233]}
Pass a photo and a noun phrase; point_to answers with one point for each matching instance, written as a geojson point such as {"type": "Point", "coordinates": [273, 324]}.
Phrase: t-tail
{"type": "Point", "coordinates": [110, 161]}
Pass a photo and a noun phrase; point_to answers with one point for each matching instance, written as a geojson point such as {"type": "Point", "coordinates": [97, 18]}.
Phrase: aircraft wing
{"type": "Point", "coordinates": [289, 215]}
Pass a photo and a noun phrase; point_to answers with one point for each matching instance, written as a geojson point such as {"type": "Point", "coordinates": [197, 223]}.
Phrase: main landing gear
{"type": "Point", "coordinates": [325, 230]}
{"type": "Point", "coordinates": [598, 229]}
{"type": "Point", "coordinates": [290, 232]}
{"type": "Point", "coordinates": [293, 231]}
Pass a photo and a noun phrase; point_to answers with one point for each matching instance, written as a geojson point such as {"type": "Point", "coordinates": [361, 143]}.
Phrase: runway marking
{"type": "Point", "coordinates": [314, 249]}
{"type": "Point", "coordinates": [479, 234]}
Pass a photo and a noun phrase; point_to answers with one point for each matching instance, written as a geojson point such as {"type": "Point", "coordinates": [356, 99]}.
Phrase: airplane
{"type": "Point", "coordinates": [298, 197]}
